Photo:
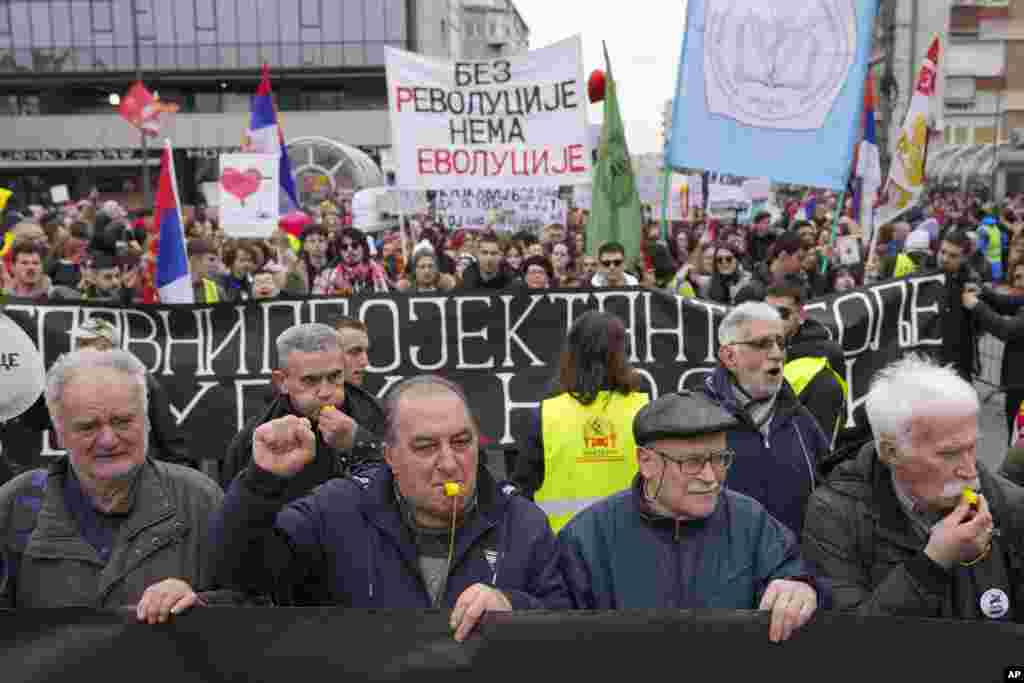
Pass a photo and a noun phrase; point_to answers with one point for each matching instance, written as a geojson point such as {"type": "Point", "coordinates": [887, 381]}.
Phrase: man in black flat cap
{"type": "Point", "coordinates": [645, 547]}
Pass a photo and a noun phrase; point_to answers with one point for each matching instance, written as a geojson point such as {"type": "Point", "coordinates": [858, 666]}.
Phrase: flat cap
{"type": "Point", "coordinates": [681, 415]}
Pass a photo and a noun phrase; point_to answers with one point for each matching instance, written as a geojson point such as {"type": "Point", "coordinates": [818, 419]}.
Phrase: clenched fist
{"type": "Point", "coordinates": [284, 446]}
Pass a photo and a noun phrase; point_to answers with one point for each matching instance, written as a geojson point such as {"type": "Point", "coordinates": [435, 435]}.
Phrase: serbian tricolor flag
{"type": "Point", "coordinates": [265, 136]}
{"type": "Point", "coordinates": [869, 165]}
{"type": "Point", "coordinates": [142, 109]}
{"type": "Point", "coordinates": [808, 207]}
{"type": "Point", "coordinates": [172, 275]}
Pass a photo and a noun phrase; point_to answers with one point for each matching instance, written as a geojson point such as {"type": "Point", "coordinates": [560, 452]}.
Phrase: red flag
{"type": "Point", "coordinates": [142, 109]}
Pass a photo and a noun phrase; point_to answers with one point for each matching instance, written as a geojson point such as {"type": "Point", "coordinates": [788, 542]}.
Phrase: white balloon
{"type": "Point", "coordinates": [22, 374]}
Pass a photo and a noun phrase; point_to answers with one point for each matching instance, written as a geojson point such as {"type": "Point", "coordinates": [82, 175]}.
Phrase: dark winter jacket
{"type": "Point", "coordinates": [351, 538]}
{"type": "Point", "coordinates": [329, 462]}
{"type": "Point", "coordinates": [779, 471]}
{"type": "Point", "coordinates": [959, 339]}
{"type": "Point", "coordinates": [46, 562]}
{"type": "Point", "coordinates": [618, 554]}
{"type": "Point", "coordinates": [471, 278]}
{"type": "Point", "coordinates": [1002, 317]}
{"type": "Point", "coordinates": [859, 535]}
{"type": "Point", "coordinates": [824, 397]}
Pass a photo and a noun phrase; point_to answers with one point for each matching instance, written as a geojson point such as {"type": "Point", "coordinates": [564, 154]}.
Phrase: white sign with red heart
{"type": "Point", "coordinates": [249, 194]}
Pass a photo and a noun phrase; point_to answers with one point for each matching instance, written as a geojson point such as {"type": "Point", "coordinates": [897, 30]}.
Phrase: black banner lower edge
{"type": "Point", "coordinates": [268, 644]}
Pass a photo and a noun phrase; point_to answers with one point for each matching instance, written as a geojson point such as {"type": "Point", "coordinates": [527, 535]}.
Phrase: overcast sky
{"type": "Point", "coordinates": [644, 38]}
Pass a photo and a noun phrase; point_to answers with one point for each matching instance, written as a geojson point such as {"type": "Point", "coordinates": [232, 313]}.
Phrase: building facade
{"type": "Point", "coordinates": [62, 60]}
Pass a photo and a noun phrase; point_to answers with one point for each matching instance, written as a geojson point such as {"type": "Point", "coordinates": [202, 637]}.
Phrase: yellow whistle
{"type": "Point", "coordinates": [326, 409]}
{"type": "Point", "coordinates": [969, 497]}
{"type": "Point", "coordinates": [452, 488]}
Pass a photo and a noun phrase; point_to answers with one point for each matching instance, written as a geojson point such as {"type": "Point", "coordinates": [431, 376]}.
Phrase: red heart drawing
{"type": "Point", "coordinates": [241, 184]}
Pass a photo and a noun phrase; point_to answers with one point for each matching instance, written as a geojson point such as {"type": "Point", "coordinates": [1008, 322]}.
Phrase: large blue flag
{"type": "Point", "coordinates": [772, 88]}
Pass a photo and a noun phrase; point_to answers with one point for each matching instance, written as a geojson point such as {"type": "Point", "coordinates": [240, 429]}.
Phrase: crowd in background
{"type": "Point", "coordinates": [93, 251]}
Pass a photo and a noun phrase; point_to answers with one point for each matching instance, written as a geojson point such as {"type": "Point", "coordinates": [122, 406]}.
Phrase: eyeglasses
{"type": "Point", "coordinates": [726, 259]}
{"type": "Point", "coordinates": [764, 343]}
{"type": "Point", "coordinates": [612, 262]}
{"type": "Point", "coordinates": [784, 312]}
{"type": "Point", "coordinates": [349, 246]}
{"type": "Point", "coordinates": [694, 464]}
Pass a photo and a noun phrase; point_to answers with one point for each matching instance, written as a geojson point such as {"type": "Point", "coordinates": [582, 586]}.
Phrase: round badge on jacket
{"type": "Point", "coordinates": [994, 603]}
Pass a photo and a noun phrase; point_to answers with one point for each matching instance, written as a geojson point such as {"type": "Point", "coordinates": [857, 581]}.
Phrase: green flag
{"type": "Point", "coordinates": [616, 214]}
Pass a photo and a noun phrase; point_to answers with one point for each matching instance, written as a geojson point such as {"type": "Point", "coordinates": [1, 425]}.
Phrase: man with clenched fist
{"type": "Point", "coordinates": [392, 538]}
{"type": "Point", "coordinates": [346, 421]}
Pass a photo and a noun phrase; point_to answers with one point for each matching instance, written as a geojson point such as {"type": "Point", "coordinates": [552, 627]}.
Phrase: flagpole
{"type": "Point", "coordinates": [147, 192]}
{"type": "Point", "coordinates": [665, 190]}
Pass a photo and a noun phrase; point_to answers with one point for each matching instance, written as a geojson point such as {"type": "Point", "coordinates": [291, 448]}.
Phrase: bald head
{"type": "Point", "coordinates": [418, 388]}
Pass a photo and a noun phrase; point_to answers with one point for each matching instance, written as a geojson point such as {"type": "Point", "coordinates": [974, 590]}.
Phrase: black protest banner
{"type": "Point", "coordinates": [267, 644]}
{"type": "Point", "coordinates": [215, 361]}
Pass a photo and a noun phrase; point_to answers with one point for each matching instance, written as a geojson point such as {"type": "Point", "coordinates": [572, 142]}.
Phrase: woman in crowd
{"type": "Point", "coordinates": [514, 257]}
{"type": "Point", "coordinates": [563, 265]}
{"type": "Point", "coordinates": [240, 259]}
{"type": "Point", "coordinates": [728, 276]}
{"type": "Point", "coordinates": [538, 272]}
{"type": "Point", "coordinates": [588, 415]}
{"type": "Point", "coordinates": [423, 274]}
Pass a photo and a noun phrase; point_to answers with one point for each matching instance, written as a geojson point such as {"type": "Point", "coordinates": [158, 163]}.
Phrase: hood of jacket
{"type": "Point", "coordinates": [813, 340]}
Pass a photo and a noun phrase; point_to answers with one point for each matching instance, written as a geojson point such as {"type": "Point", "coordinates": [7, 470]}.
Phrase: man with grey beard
{"type": "Point", "coordinates": [915, 526]}
{"type": "Point", "coordinates": [105, 526]}
{"type": "Point", "coordinates": [778, 443]}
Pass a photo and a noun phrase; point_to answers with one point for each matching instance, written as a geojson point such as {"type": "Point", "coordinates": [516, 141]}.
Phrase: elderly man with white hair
{"type": "Point", "coordinates": [106, 526]}
{"type": "Point", "coordinates": [894, 529]}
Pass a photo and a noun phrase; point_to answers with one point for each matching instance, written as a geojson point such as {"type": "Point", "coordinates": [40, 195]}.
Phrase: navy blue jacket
{"type": "Point", "coordinates": [779, 471]}
{"type": "Point", "coordinates": [350, 538]}
{"type": "Point", "coordinates": [617, 554]}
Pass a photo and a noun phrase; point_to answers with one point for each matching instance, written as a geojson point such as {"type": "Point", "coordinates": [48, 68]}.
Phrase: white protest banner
{"type": "Point", "coordinates": [249, 194]}
{"type": "Point", "coordinates": [508, 122]}
{"type": "Point", "coordinates": [397, 201]}
{"type": "Point", "coordinates": [501, 209]}
{"type": "Point", "coordinates": [758, 189]}
{"type": "Point", "coordinates": [727, 197]}
{"type": "Point", "coordinates": [583, 196]}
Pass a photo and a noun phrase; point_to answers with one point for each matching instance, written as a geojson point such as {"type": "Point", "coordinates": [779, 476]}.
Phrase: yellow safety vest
{"type": "Point", "coordinates": [589, 451]}
{"type": "Point", "coordinates": [212, 295]}
{"type": "Point", "coordinates": [802, 371]}
{"type": "Point", "coordinates": [904, 266]}
{"type": "Point", "coordinates": [994, 252]}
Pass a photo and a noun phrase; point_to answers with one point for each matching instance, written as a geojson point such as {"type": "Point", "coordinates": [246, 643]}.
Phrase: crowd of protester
{"type": "Point", "coordinates": [100, 252]}
{"type": "Point", "coordinates": [733, 495]}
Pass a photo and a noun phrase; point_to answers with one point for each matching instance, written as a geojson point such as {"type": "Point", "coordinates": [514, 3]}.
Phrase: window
{"type": "Point", "coordinates": [309, 13]}
{"type": "Point", "coordinates": [961, 135]}
{"type": "Point", "coordinates": [5, 19]}
{"type": "Point", "coordinates": [102, 16]}
{"type": "Point", "coordinates": [206, 17]}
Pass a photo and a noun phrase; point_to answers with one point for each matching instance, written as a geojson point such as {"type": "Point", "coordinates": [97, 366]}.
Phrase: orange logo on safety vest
{"type": "Point", "coordinates": [599, 441]}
